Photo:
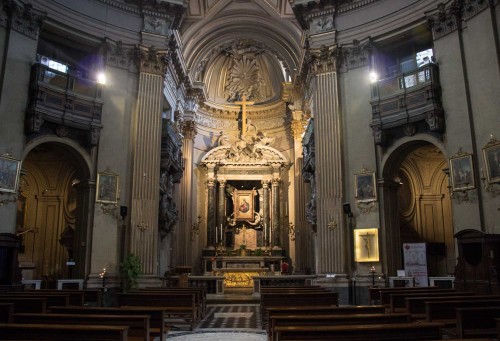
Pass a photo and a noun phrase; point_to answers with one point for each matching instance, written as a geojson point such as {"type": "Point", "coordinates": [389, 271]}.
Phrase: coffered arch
{"type": "Point", "coordinates": [257, 20]}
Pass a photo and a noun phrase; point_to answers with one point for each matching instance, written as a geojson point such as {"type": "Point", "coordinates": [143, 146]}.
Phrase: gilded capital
{"type": "Point", "coordinates": [298, 128]}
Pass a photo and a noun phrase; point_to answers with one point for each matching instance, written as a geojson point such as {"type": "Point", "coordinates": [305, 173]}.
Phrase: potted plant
{"type": "Point", "coordinates": [130, 270]}
{"type": "Point", "coordinates": [258, 252]}
{"type": "Point", "coordinates": [243, 250]}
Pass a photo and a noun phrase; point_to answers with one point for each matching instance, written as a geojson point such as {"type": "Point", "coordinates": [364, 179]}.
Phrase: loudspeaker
{"type": "Point", "coordinates": [123, 211]}
{"type": "Point", "coordinates": [347, 209]}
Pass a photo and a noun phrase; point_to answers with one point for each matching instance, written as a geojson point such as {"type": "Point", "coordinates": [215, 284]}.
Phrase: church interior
{"type": "Point", "coordinates": [242, 146]}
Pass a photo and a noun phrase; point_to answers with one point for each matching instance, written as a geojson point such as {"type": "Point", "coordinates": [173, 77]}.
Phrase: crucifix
{"type": "Point", "coordinates": [244, 104]}
{"type": "Point", "coordinates": [367, 239]}
{"type": "Point", "coordinates": [244, 230]}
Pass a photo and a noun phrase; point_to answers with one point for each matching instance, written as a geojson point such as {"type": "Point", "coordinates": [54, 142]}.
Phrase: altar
{"type": "Point", "coordinates": [238, 271]}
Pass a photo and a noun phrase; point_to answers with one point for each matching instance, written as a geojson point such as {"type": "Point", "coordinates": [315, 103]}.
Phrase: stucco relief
{"type": "Point", "coordinates": [157, 25]}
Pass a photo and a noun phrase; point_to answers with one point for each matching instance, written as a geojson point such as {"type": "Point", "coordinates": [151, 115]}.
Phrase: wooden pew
{"type": "Point", "coordinates": [296, 300]}
{"type": "Point", "coordinates": [178, 307]}
{"type": "Point", "coordinates": [27, 304]}
{"type": "Point", "coordinates": [332, 320]}
{"type": "Point", "coordinates": [323, 310]}
{"type": "Point", "coordinates": [444, 311]}
{"type": "Point", "coordinates": [416, 305]}
{"type": "Point", "coordinates": [398, 301]}
{"type": "Point", "coordinates": [52, 299]}
{"type": "Point", "coordinates": [477, 322]}
{"type": "Point", "coordinates": [74, 297]}
{"type": "Point", "coordinates": [90, 296]}
{"type": "Point", "coordinates": [385, 295]}
{"type": "Point", "coordinates": [374, 332]}
{"type": "Point", "coordinates": [53, 332]}
{"type": "Point", "coordinates": [138, 324]}
{"type": "Point", "coordinates": [374, 292]}
{"type": "Point", "coordinates": [6, 312]}
{"type": "Point", "coordinates": [201, 296]}
{"type": "Point", "coordinates": [157, 316]}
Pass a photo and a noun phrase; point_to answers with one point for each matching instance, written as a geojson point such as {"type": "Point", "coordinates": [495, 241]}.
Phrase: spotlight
{"type": "Point", "coordinates": [101, 78]}
{"type": "Point", "coordinates": [373, 77]}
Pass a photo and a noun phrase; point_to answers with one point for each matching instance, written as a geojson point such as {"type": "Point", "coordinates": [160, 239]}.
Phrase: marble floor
{"type": "Point", "coordinates": [225, 322]}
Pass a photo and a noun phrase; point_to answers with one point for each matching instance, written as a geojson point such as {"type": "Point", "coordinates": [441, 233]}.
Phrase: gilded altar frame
{"type": "Point", "coordinates": [366, 245]}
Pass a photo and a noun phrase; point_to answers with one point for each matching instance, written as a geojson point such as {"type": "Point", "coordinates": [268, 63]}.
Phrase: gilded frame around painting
{"type": "Point", "coordinates": [366, 245]}
{"type": "Point", "coordinates": [10, 169]}
{"type": "Point", "coordinates": [243, 205]}
{"type": "Point", "coordinates": [491, 153]}
{"type": "Point", "coordinates": [107, 188]}
{"type": "Point", "coordinates": [462, 172]}
{"type": "Point", "coordinates": [365, 186]}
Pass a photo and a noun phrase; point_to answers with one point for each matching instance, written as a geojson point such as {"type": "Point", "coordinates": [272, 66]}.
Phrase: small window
{"type": "Point", "coordinates": [424, 57]}
{"type": "Point", "coordinates": [53, 64]}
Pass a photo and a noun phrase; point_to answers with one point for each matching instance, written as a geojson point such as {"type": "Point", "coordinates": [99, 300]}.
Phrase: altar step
{"type": "Point", "coordinates": [233, 298]}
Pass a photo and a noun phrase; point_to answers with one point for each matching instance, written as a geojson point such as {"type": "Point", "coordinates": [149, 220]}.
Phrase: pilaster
{"type": "Point", "coordinates": [186, 202]}
{"type": "Point", "coordinates": [265, 201]}
{"type": "Point", "coordinates": [276, 223]}
{"type": "Point", "coordinates": [211, 216]}
{"type": "Point", "coordinates": [147, 152]}
{"type": "Point", "coordinates": [328, 162]}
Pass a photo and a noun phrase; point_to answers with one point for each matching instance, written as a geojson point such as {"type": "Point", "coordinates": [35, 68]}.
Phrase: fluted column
{"type": "Point", "coordinates": [330, 251]}
{"type": "Point", "coordinates": [221, 210]}
{"type": "Point", "coordinates": [303, 255]}
{"type": "Point", "coordinates": [146, 164]}
{"type": "Point", "coordinates": [276, 230]}
{"type": "Point", "coordinates": [183, 245]}
{"type": "Point", "coordinates": [211, 200]}
{"type": "Point", "coordinates": [265, 209]}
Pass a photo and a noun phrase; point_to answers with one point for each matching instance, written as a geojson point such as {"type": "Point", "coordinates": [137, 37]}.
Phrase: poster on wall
{"type": "Point", "coordinates": [415, 259]}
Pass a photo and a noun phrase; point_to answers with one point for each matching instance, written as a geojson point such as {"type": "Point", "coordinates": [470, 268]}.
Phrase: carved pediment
{"type": "Point", "coordinates": [243, 153]}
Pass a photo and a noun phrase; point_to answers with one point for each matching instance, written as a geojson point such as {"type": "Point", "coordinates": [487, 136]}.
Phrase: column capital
{"type": "Point", "coordinates": [276, 182]}
{"type": "Point", "coordinates": [326, 59]}
{"type": "Point", "coordinates": [222, 183]}
{"type": "Point", "coordinates": [265, 183]}
{"type": "Point", "coordinates": [22, 18]}
{"type": "Point", "coordinates": [151, 59]}
{"type": "Point", "coordinates": [189, 130]}
{"type": "Point", "coordinates": [211, 182]}
{"type": "Point", "coordinates": [298, 128]}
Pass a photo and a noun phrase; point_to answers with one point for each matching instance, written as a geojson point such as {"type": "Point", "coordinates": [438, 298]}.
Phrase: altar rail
{"type": "Point", "coordinates": [212, 284]}
{"type": "Point", "coordinates": [281, 281]}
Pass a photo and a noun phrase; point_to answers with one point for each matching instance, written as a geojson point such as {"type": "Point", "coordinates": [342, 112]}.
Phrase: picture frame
{"type": "Point", "coordinates": [244, 205]}
{"type": "Point", "coordinates": [107, 188]}
{"type": "Point", "coordinates": [365, 186]}
{"type": "Point", "coordinates": [491, 153]}
{"type": "Point", "coordinates": [366, 245]}
{"type": "Point", "coordinates": [10, 170]}
{"type": "Point", "coordinates": [462, 172]}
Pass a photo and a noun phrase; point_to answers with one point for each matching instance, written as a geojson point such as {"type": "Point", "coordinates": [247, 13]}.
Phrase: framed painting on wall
{"type": "Point", "coordinates": [365, 186]}
{"type": "Point", "coordinates": [10, 169]}
{"type": "Point", "coordinates": [107, 188]}
{"type": "Point", "coordinates": [491, 153]}
{"type": "Point", "coordinates": [462, 172]}
{"type": "Point", "coordinates": [244, 204]}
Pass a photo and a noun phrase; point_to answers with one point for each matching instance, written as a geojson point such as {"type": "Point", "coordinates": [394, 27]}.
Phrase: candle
{"type": "Point", "coordinates": [221, 233]}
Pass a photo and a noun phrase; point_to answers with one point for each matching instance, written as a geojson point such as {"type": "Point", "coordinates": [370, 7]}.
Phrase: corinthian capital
{"type": "Point", "coordinates": [151, 60]}
{"type": "Point", "coordinates": [298, 128]}
{"type": "Point", "coordinates": [326, 59]}
{"type": "Point", "coordinates": [189, 130]}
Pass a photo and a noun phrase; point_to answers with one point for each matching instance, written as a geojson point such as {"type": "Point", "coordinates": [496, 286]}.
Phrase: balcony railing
{"type": "Point", "coordinates": [64, 99]}
{"type": "Point", "coordinates": [407, 99]}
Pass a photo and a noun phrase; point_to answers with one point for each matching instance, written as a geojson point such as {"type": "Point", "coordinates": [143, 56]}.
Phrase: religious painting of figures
{"type": "Point", "coordinates": [364, 184]}
{"type": "Point", "coordinates": [461, 171]}
{"type": "Point", "coordinates": [107, 188]}
{"type": "Point", "coordinates": [9, 174]}
{"type": "Point", "coordinates": [244, 205]}
{"type": "Point", "coordinates": [366, 245]}
{"type": "Point", "coordinates": [492, 160]}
